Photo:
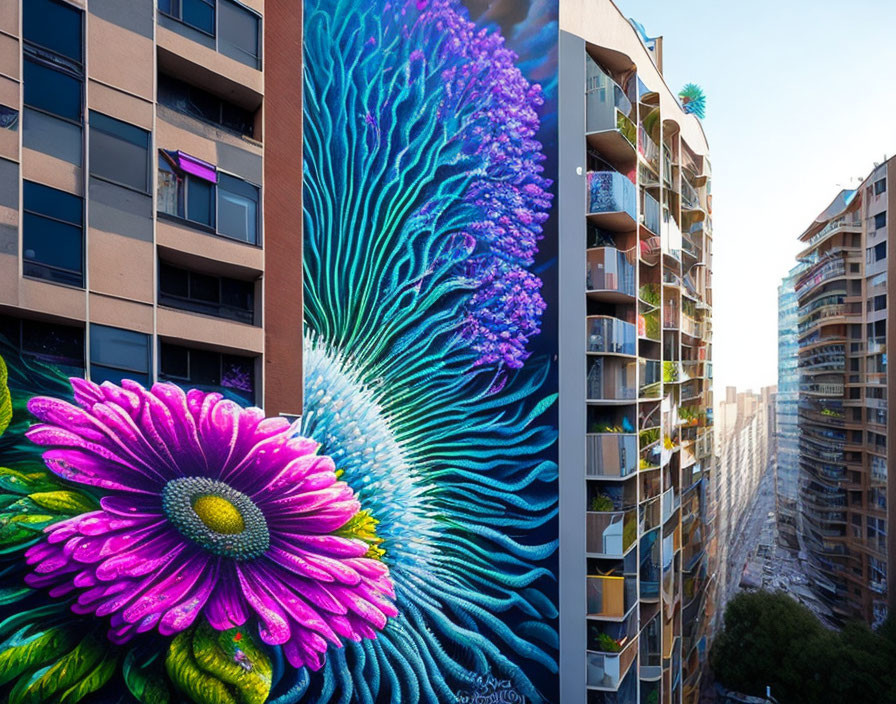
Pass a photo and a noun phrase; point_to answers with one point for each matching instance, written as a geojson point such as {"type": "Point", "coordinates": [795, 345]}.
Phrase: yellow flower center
{"type": "Point", "coordinates": [218, 514]}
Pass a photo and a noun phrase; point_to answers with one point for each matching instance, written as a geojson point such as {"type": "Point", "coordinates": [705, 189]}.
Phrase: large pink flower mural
{"type": "Point", "coordinates": [208, 509]}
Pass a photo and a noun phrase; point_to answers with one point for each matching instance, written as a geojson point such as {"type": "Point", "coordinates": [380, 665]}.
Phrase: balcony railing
{"type": "Point", "coordinates": [690, 200]}
{"type": "Point", "coordinates": [611, 455]}
{"type": "Point", "coordinates": [607, 106]}
{"type": "Point", "coordinates": [648, 149]}
{"type": "Point", "coordinates": [608, 335]}
{"type": "Point", "coordinates": [649, 373]}
{"type": "Point", "coordinates": [611, 596]}
{"type": "Point", "coordinates": [611, 192]}
{"type": "Point", "coordinates": [607, 670]}
{"type": "Point", "coordinates": [611, 379]}
{"type": "Point", "coordinates": [669, 502]}
{"type": "Point", "coordinates": [650, 212]}
{"type": "Point", "coordinates": [851, 220]}
{"type": "Point", "coordinates": [612, 533]}
{"type": "Point", "coordinates": [609, 269]}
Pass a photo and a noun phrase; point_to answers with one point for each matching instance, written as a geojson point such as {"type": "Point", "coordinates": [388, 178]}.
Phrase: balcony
{"type": "Point", "coordinates": [672, 372]}
{"type": "Point", "coordinates": [649, 150]}
{"type": "Point", "coordinates": [690, 200]}
{"type": "Point", "coordinates": [611, 455]}
{"type": "Point", "coordinates": [649, 325]}
{"type": "Point", "coordinates": [650, 212]}
{"type": "Point", "coordinates": [607, 670]}
{"type": "Point", "coordinates": [612, 201]}
{"type": "Point", "coordinates": [649, 374]}
{"type": "Point", "coordinates": [669, 502]}
{"type": "Point", "coordinates": [608, 335]}
{"type": "Point", "coordinates": [611, 273]}
{"type": "Point", "coordinates": [610, 534]}
{"type": "Point", "coordinates": [608, 127]}
{"type": "Point", "coordinates": [611, 597]}
{"type": "Point", "coordinates": [611, 379]}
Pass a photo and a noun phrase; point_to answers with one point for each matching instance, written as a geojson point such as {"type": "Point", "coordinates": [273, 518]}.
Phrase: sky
{"type": "Point", "coordinates": [801, 102]}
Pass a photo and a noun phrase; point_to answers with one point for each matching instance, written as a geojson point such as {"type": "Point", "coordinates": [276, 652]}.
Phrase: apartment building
{"type": "Point", "coordinates": [140, 235]}
{"type": "Point", "coordinates": [842, 293]}
{"type": "Point", "coordinates": [646, 238]}
{"type": "Point", "coordinates": [787, 423]}
{"type": "Point", "coordinates": [745, 432]}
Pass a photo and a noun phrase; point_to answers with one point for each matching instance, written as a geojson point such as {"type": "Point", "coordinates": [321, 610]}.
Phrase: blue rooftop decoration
{"type": "Point", "coordinates": [693, 100]}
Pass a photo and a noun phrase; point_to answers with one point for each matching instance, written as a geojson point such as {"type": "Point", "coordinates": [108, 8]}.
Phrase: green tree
{"type": "Point", "coordinates": [770, 639]}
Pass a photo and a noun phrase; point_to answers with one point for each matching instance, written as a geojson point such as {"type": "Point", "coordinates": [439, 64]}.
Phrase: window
{"type": "Point", "coordinates": [52, 91]}
{"type": "Point", "coordinates": [117, 354]}
{"type": "Point", "coordinates": [221, 296]}
{"type": "Point", "coordinates": [880, 251]}
{"type": "Point", "coordinates": [54, 26]}
{"type": "Point", "coordinates": [194, 190]}
{"type": "Point", "coordinates": [9, 118]}
{"type": "Point", "coordinates": [186, 188]}
{"type": "Point", "coordinates": [880, 186]}
{"type": "Point", "coordinates": [52, 234]}
{"type": "Point", "coordinates": [119, 152]}
{"type": "Point", "coordinates": [237, 209]}
{"type": "Point", "coordinates": [61, 346]}
{"type": "Point", "coordinates": [880, 220]}
{"type": "Point", "coordinates": [231, 375]}
{"type": "Point", "coordinates": [880, 302]}
{"type": "Point", "coordinates": [198, 14]}
{"type": "Point", "coordinates": [854, 268]}
{"type": "Point", "coordinates": [189, 100]}
{"type": "Point", "coordinates": [238, 33]}
{"type": "Point", "coordinates": [53, 79]}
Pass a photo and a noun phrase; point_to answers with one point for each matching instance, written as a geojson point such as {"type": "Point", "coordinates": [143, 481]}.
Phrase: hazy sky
{"type": "Point", "coordinates": [801, 100]}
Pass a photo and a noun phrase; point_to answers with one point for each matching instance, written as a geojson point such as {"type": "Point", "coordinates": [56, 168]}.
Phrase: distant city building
{"type": "Point", "coordinates": [842, 295]}
{"type": "Point", "coordinates": [744, 428]}
{"type": "Point", "coordinates": [787, 424]}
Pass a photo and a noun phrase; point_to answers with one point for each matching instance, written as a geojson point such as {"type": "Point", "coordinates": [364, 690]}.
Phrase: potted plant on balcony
{"type": "Point", "coordinates": [607, 643]}
{"type": "Point", "coordinates": [602, 502]}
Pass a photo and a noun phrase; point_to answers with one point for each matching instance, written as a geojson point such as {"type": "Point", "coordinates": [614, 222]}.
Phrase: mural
{"type": "Point", "coordinates": [430, 333]}
{"type": "Point", "coordinates": [398, 543]}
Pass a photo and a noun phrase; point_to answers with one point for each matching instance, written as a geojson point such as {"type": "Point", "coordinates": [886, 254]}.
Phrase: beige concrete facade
{"type": "Point", "coordinates": [125, 50]}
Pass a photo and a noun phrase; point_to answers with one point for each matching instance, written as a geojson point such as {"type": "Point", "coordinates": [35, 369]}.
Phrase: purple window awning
{"type": "Point", "coordinates": [194, 166]}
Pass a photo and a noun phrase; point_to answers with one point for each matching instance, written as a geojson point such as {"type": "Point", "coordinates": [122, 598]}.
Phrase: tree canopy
{"type": "Point", "coordinates": [770, 639]}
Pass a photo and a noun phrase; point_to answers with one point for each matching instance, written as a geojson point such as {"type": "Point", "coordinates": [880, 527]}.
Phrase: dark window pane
{"type": "Point", "coordinates": [174, 361]}
{"type": "Point", "coordinates": [170, 7]}
{"type": "Point", "coordinates": [205, 368]}
{"type": "Point", "coordinates": [9, 118]}
{"type": "Point", "coordinates": [52, 243]}
{"type": "Point", "coordinates": [173, 281]}
{"type": "Point", "coordinates": [237, 119]}
{"type": "Point", "coordinates": [880, 220]}
{"type": "Point", "coordinates": [53, 25]}
{"type": "Point", "coordinates": [52, 202]}
{"type": "Point", "coordinates": [125, 350]}
{"type": "Point", "coordinates": [238, 33]}
{"type": "Point", "coordinates": [200, 201]}
{"type": "Point", "coordinates": [204, 288]}
{"type": "Point", "coordinates": [53, 91]}
{"type": "Point", "coordinates": [238, 373]}
{"type": "Point", "coordinates": [53, 343]}
{"type": "Point", "coordinates": [99, 374]}
{"type": "Point", "coordinates": [199, 14]}
{"type": "Point", "coordinates": [237, 294]}
{"type": "Point", "coordinates": [237, 209]}
{"type": "Point", "coordinates": [119, 152]}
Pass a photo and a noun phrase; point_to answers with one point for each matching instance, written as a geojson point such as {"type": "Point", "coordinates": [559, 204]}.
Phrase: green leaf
{"type": "Point", "coordinates": [23, 650]}
{"type": "Point", "coordinates": [94, 681]}
{"type": "Point", "coordinates": [22, 483]}
{"type": "Point", "coordinates": [40, 686]}
{"type": "Point", "coordinates": [186, 675]}
{"type": "Point", "coordinates": [68, 502]}
{"type": "Point", "coordinates": [10, 595]}
{"type": "Point", "coordinates": [5, 399]}
{"type": "Point", "coordinates": [234, 657]}
{"type": "Point", "coordinates": [41, 613]}
{"type": "Point", "coordinates": [145, 678]}
{"type": "Point", "coordinates": [219, 667]}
